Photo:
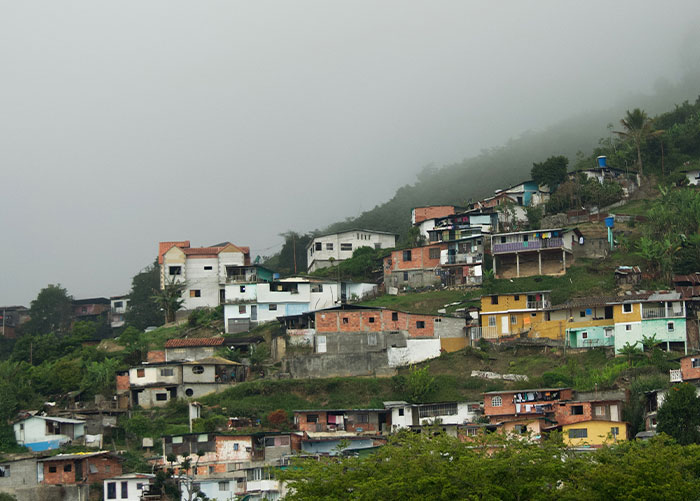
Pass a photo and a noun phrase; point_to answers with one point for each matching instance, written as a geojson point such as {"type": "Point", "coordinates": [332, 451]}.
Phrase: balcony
{"type": "Point", "coordinates": [661, 312]}
{"type": "Point", "coordinates": [537, 305]}
{"type": "Point", "coordinates": [675, 376]}
{"type": "Point", "coordinates": [483, 332]}
{"type": "Point", "coordinates": [549, 243]}
{"type": "Point", "coordinates": [462, 259]}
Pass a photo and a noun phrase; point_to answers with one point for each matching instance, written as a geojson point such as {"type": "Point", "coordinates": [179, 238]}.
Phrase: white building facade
{"type": "Point", "coordinates": [324, 250]}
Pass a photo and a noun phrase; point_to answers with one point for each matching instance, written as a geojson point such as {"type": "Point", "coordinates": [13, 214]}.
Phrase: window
{"type": "Point", "coordinates": [578, 433]}
{"type": "Point", "coordinates": [577, 410]}
{"type": "Point", "coordinates": [372, 339]}
{"type": "Point", "coordinates": [177, 440]}
{"type": "Point", "coordinates": [434, 253]}
{"type": "Point", "coordinates": [584, 335]}
{"type": "Point", "coordinates": [496, 401]}
{"type": "Point", "coordinates": [125, 490]}
{"type": "Point", "coordinates": [345, 247]}
{"type": "Point", "coordinates": [329, 246]}
{"type": "Point", "coordinates": [166, 372]}
{"type": "Point", "coordinates": [670, 326]}
{"type": "Point", "coordinates": [140, 372]}
{"type": "Point", "coordinates": [520, 428]}
{"type": "Point", "coordinates": [211, 470]}
{"type": "Point", "coordinates": [202, 438]}
{"type": "Point", "coordinates": [600, 410]}
{"type": "Point", "coordinates": [582, 313]}
{"type": "Point", "coordinates": [345, 320]}
{"type": "Point", "coordinates": [516, 297]}
{"type": "Point", "coordinates": [312, 418]}
{"type": "Point", "coordinates": [175, 270]}
{"type": "Point", "coordinates": [494, 299]}
{"type": "Point", "coordinates": [615, 431]}
{"type": "Point", "coordinates": [223, 486]}
{"type": "Point", "coordinates": [628, 327]}
{"type": "Point", "coordinates": [189, 392]}
{"type": "Point", "coordinates": [695, 362]}
{"type": "Point", "coordinates": [195, 293]}
{"type": "Point", "coordinates": [420, 324]}
{"type": "Point", "coordinates": [317, 288]}
{"type": "Point", "coordinates": [319, 246]}
{"type": "Point", "coordinates": [161, 397]}
{"type": "Point", "coordinates": [438, 320]}
{"type": "Point", "coordinates": [371, 320]}
{"type": "Point", "coordinates": [492, 321]}
{"type": "Point", "coordinates": [608, 331]}
{"type": "Point", "coordinates": [235, 446]}
{"type": "Point", "coordinates": [207, 268]}
{"type": "Point", "coordinates": [406, 256]}
{"type": "Point", "coordinates": [112, 490]}
{"type": "Point", "coordinates": [400, 412]}
{"type": "Point", "coordinates": [273, 307]}
{"type": "Point", "coordinates": [627, 308]}
{"type": "Point", "coordinates": [118, 304]}
{"type": "Point", "coordinates": [269, 441]}
{"type": "Point", "coordinates": [405, 276]}
{"type": "Point", "coordinates": [197, 369]}
{"type": "Point", "coordinates": [394, 316]}
{"type": "Point", "coordinates": [52, 469]}
{"type": "Point", "coordinates": [513, 319]}
{"type": "Point", "coordinates": [435, 410]}
{"type": "Point", "coordinates": [241, 308]}
{"type": "Point", "coordinates": [67, 467]}
{"type": "Point", "coordinates": [242, 289]}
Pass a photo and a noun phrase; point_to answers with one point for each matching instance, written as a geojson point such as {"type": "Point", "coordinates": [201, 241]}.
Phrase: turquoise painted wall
{"type": "Point", "coordinates": [595, 337]}
{"type": "Point", "coordinates": [660, 328]}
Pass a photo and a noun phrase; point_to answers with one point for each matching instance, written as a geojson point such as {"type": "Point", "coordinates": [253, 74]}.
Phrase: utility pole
{"type": "Point", "coordinates": [294, 252]}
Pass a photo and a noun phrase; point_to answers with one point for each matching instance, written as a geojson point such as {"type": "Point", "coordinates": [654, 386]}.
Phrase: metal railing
{"type": "Point", "coordinates": [660, 312]}
{"type": "Point", "coordinates": [483, 332]}
{"type": "Point", "coordinates": [549, 243]}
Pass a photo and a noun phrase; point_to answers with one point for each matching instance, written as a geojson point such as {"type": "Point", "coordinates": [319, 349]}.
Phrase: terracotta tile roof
{"type": "Point", "coordinates": [164, 247]}
{"type": "Point", "coordinates": [194, 341]}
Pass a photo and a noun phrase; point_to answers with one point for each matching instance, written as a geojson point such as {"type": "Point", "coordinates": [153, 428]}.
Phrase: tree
{"type": "Point", "coordinates": [51, 311]}
{"type": "Point", "coordinates": [144, 311]}
{"type": "Point", "coordinates": [534, 217]}
{"type": "Point", "coordinates": [679, 416]}
{"type": "Point", "coordinates": [638, 126]}
{"type": "Point", "coordinates": [170, 299]}
{"type": "Point", "coordinates": [551, 172]}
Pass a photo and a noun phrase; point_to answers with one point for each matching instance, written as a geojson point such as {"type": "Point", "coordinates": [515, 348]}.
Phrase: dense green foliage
{"type": "Point", "coordinates": [51, 311]}
{"type": "Point", "coordinates": [422, 466]}
{"type": "Point", "coordinates": [551, 172]}
{"type": "Point", "coordinates": [144, 310]}
{"type": "Point", "coordinates": [679, 416]}
{"type": "Point", "coordinates": [365, 265]}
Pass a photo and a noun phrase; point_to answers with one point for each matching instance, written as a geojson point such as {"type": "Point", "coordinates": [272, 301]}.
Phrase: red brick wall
{"type": "Point", "coordinates": [60, 476]}
{"type": "Point", "coordinates": [420, 259]}
{"type": "Point", "coordinates": [423, 213]}
{"type": "Point", "coordinates": [508, 405]}
{"type": "Point", "coordinates": [302, 425]}
{"type": "Point", "coordinates": [123, 381]}
{"type": "Point", "coordinates": [358, 321]}
{"type": "Point", "coordinates": [687, 370]}
{"type": "Point", "coordinates": [563, 413]}
{"type": "Point", "coordinates": [156, 356]}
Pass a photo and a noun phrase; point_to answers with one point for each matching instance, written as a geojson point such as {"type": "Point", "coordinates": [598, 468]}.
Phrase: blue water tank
{"type": "Point", "coordinates": [602, 161]}
{"type": "Point", "coordinates": [610, 222]}
{"type": "Point", "coordinates": [275, 276]}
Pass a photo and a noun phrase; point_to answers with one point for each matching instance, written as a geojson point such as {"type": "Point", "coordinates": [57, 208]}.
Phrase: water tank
{"type": "Point", "coordinates": [602, 161]}
{"type": "Point", "coordinates": [610, 221]}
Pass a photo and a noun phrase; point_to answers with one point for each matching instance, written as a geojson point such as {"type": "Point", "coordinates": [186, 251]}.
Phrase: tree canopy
{"type": "Point", "coordinates": [144, 311]}
{"type": "Point", "coordinates": [679, 415]}
{"type": "Point", "coordinates": [551, 172]}
{"type": "Point", "coordinates": [51, 311]}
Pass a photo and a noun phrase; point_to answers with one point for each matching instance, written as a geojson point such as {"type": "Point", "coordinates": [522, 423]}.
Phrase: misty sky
{"type": "Point", "coordinates": [126, 123]}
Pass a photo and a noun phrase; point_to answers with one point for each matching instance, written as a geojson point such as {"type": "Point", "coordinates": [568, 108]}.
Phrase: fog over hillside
{"type": "Point", "coordinates": [128, 123]}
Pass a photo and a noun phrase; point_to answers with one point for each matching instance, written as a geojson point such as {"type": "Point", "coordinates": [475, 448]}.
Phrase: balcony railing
{"type": "Point", "coordinates": [660, 312]}
{"type": "Point", "coordinates": [483, 332]}
{"type": "Point", "coordinates": [676, 376]}
{"type": "Point", "coordinates": [549, 243]}
{"type": "Point", "coordinates": [537, 305]}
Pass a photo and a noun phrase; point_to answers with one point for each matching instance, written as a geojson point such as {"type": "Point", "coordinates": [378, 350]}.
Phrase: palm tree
{"type": "Point", "coordinates": [638, 126]}
{"type": "Point", "coordinates": [169, 298]}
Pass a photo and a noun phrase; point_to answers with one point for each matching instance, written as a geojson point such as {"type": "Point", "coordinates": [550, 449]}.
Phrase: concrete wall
{"type": "Point", "coordinates": [339, 365]}
{"type": "Point", "coordinates": [416, 350]}
{"type": "Point", "coordinates": [320, 258]}
{"type": "Point", "coordinates": [153, 375]}
{"type": "Point", "coordinates": [206, 281]}
{"type": "Point", "coordinates": [413, 278]}
{"type": "Point", "coordinates": [19, 475]}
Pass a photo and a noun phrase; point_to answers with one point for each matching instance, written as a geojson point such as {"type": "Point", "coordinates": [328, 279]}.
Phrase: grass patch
{"type": "Point", "coordinates": [425, 302]}
{"type": "Point", "coordinates": [635, 207]}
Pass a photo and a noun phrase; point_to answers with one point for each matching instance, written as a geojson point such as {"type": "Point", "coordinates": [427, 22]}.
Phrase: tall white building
{"type": "Point", "coordinates": [324, 250]}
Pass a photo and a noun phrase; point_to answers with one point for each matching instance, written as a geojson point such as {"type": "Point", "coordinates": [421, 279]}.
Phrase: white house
{"type": "Point", "coordinates": [250, 304]}
{"type": "Point", "coordinates": [119, 306]}
{"type": "Point", "coordinates": [204, 270]}
{"type": "Point", "coordinates": [127, 487]}
{"type": "Point", "coordinates": [405, 415]}
{"type": "Point", "coordinates": [41, 433]}
{"type": "Point", "coordinates": [324, 250]}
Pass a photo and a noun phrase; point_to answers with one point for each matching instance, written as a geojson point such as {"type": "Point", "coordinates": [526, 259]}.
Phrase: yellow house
{"type": "Point", "coordinates": [512, 314]}
{"type": "Point", "coordinates": [594, 433]}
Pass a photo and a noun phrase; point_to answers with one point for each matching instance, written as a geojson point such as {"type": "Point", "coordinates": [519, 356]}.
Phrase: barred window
{"type": "Point", "coordinates": [433, 410]}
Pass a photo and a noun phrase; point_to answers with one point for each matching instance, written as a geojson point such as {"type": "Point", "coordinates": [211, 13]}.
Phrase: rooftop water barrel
{"type": "Point", "coordinates": [610, 221]}
{"type": "Point", "coordinates": [602, 161]}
